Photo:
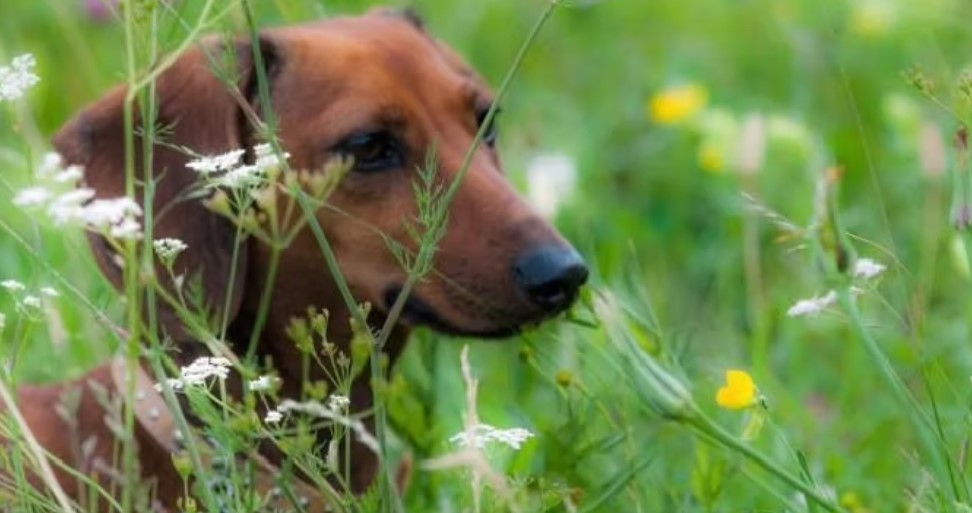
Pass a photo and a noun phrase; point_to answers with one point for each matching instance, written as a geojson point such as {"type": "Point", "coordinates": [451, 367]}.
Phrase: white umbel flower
{"type": "Point", "coordinates": [17, 78]}
{"type": "Point", "coordinates": [32, 197]}
{"type": "Point", "coordinates": [273, 417]}
{"type": "Point", "coordinates": [69, 206]}
{"type": "Point", "coordinates": [208, 165]}
{"type": "Point", "coordinates": [69, 175]}
{"type": "Point", "coordinates": [168, 248]}
{"type": "Point", "coordinates": [482, 434]}
{"type": "Point", "coordinates": [262, 383]}
{"type": "Point", "coordinates": [241, 177]}
{"type": "Point", "coordinates": [12, 285]}
{"type": "Point", "coordinates": [338, 403]}
{"type": "Point", "coordinates": [51, 164]}
{"type": "Point", "coordinates": [266, 159]}
{"type": "Point", "coordinates": [198, 372]}
{"type": "Point", "coordinates": [812, 306]}
{"type": "Point", "coordinates": [867, 268]}
{"type": "Point", "coordinates": [31, 302]}
{"type": "Point", "coordinates": [104, 213]}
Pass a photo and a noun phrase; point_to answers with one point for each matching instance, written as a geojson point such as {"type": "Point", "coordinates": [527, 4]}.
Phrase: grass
{"type": "Point", "coordinates": [867, 402]}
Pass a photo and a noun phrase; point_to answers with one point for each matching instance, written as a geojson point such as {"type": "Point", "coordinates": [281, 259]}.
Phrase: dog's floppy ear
{"type": "Point", "coordinates": [197, 111]}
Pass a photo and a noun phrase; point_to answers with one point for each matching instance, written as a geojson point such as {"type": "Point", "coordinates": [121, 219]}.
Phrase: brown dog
{"type": "Point", "coordinates": [377, 89]}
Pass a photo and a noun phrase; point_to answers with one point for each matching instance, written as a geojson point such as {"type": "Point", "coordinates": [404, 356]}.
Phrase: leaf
{"type": "Point", "coordinates": [617, 484]}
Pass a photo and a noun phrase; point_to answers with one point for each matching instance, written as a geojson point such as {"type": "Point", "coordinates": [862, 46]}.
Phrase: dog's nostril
{"type": "Point", "coordinates": [550, 276]}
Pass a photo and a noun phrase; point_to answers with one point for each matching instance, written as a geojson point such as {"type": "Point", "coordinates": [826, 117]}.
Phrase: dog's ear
{"type": "Point", "coordinates": [196, 110]}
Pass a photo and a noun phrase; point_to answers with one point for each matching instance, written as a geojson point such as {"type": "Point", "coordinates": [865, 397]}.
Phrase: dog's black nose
{"type": "Point", "coordinates": [550, 276]}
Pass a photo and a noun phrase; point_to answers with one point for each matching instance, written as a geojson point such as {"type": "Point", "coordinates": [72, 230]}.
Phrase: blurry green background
{"type": "Point", "coordinates": [657, 211]}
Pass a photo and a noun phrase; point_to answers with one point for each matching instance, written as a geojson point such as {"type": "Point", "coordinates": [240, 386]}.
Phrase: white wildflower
{"type": "Point", "coordinates": [812, 306]}
{"type": "Point", "coordinates": [338, 403]}
{"type": "Point", "coordinates": [220, 361]}
{"type": "Point", "coordinates": [129, 229]}
{"type": "Point", "coordinates": [32, 196]}
{"type": "Point", "coordinates": [241, 177]}
{"type": "Point", "coordinates": [481, 434]}
{"type": "Point", "coordinates": [207, 165]}
{"type": "Point", "coordinates": [17, 78]}
{"type": "Point", "coordinates": [263, 383]}
{"type": "Point", "coordinates": [31, 302]}
{"type": "Point", "coordinates": [51, 164]}
{"type": "Point", "coordinates": [551, 179]}
{"type": "Point", "coordinates": [12, 285]}
{"type": "Point", "coordinates": [68, 207]}
{"type": "Point", "coordinates": [69, 174]}
{"type": "Point", "coordinates": [103, 213]}
{"type": "Point", "coordinates": [168, 249]}
{"type": "Point", "coordinates": [273, 417]}
{"type": "Point", "coordinates": [197, 372]}
{"type": "Point", "coordinates": [113, 216]}
{"type": "Point", "coordinates": [266, 158]}
{"type": "Point", "coordinates": [867, 268]}
{"type": "Point", "coordinates": [49, 292]}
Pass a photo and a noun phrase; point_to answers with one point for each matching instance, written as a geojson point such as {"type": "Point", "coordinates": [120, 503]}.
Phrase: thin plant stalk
{"type": "Point", "coordinates": [43, 466]}
{"type": "Point", "coordinates": [705, 426]}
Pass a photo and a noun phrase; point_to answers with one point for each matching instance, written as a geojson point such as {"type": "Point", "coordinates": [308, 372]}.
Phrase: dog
{"type": "Point", "coordinates": [377, 90]}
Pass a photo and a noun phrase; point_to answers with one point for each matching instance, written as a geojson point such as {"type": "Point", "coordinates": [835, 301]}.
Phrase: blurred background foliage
{"type": "Point", "coordinates": [648, 102]}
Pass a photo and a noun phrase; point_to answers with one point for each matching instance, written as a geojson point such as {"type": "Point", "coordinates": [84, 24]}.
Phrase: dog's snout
{"type": "Point", "coordinates": [550, 276]}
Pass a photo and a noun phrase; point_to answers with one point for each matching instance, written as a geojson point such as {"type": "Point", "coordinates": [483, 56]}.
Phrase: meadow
{"type": "Point", "coordinates": [780, 189]}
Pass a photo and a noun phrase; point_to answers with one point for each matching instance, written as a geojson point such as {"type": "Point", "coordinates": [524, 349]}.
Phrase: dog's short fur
{"type": "Point", "coordinates": [376, 88]}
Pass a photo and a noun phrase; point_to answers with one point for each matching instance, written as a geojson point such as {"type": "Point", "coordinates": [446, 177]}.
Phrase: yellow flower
{"type": "Point", "coordinates": [711, 158]}
{"type": "Point", "coordinates": [676, 104]}
{"type": "Point", "coordinates": [739, 391]}
{"type": "Point", "coordinates": [851, 502]}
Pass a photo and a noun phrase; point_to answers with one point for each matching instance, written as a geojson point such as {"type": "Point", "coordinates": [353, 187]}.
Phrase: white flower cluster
{"type": "Point", "coordinates": [482, 434]}
{"type": "Point", "coordinates": [864, 268]}
{"type": "Point", "coordinates": [115, 217]}
{"type": "Point", "coordinates": [813, 305]}
{"type": "Point", "coordinates": [273, 417]}
{"type": "Point", "coordinates": [338, 403]}
{"type": "Point", "coordinates": [198, 372]}
{"type": "Point", "coordinates": [29, 303]}
{"type": "Point", "coordinates": [228, 170]}
{"type": "Point", "coordinates": [17, 78]}
{"type": "Point", "coordinates": [263, 383]}
{"type": "Point", "coordinates": [168, 249]}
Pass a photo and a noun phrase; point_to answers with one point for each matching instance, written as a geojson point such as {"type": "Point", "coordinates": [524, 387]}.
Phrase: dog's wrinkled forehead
{"type": "Point", "coordinates": [352, 75]}
{"type": "Point", "coordinates": [380, 54]}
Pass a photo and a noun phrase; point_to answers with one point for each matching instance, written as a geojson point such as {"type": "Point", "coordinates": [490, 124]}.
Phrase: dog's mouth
{"type": "Point", "coordinates": [417, 312]}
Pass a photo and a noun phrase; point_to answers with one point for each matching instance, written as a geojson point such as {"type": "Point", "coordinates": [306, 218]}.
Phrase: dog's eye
{"type": "Point", "coordinates": [373, 151]}
{"type": "Point", "coordinates": [489, 135]}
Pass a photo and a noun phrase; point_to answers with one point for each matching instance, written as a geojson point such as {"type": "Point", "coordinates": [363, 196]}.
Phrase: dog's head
{"type": "Point", "coordinates": [376, 89]}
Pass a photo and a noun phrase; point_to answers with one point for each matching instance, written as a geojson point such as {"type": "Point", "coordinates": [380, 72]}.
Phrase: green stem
{"type": "Point", "coordinates": [264, 307]}
{"type": "Point", "coordinates": [712, 430]}
{"type": "Point", "coordinates": [130, 277]}
{"type": "Point", "coordinates": [386, 481]}
{"type": "Point", "coordinates": [924, 425]}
